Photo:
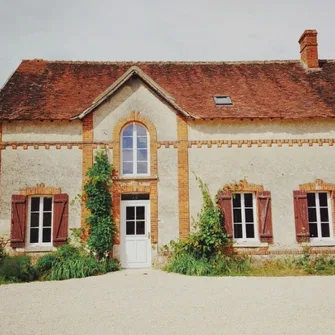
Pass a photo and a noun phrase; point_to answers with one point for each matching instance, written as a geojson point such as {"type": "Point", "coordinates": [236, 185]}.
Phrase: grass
{"type": "Point", "coordinates": [306, 265]}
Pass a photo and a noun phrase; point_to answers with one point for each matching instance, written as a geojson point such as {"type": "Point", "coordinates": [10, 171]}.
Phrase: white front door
{"type": "Point", "coordinates": [135, 234]}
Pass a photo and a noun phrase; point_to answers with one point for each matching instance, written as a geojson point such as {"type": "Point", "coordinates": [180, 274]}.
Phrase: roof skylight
{"type": "Point", "coordinates": [222, 100]}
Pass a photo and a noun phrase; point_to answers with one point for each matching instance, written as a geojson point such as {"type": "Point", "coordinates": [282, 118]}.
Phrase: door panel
{"type": "Point", "coordinates": [135, 234]}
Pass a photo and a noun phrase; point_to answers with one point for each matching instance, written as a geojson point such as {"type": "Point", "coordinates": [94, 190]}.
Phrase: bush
{"type": "Point", "coordinates": [209, 239]}
{"type": "Point", "coordinates": [74, 268]}
{"type": "Point", "coordinates": [205, 252]}
{"type": "Point", "coordinates": [3, 243]}
{"type": "Point", "coordinates": [72, 262]}
{"type": "Point", "coordinates": [17, 269]}
{"type": "Point", "coordinates": [45, 263]}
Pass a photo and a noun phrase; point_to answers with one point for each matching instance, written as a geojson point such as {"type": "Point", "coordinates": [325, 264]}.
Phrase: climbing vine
{"type": "Point", "coordinates": [98, 201]}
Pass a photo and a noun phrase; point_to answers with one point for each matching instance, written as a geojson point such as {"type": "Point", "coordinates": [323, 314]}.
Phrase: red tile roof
{"type": "Point", "coordinates": [276, 89]}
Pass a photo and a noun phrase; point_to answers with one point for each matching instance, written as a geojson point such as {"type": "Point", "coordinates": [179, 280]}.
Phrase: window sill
{"type": "Point", "coordinates": [36, 249]}
{"type": "Point", "coordinates": [124, 178]}
{"type": "Point", "coordinates": [250, 245]}
{"type": "Point", "coordinates": [330, 243]}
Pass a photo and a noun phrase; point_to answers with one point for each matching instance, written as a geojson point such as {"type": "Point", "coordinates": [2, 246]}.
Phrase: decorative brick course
{"type": "Point", "coordinates": [183, 178]}
{"type": "Point", "coordinates": [40, 189]}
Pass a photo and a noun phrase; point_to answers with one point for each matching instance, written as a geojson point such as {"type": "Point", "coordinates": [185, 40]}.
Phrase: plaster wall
{"type": "Point", "coordinates": [168, 222]}
{"type": "Point", "coordinates": [134, 96]}
{"type": "Point", "coordinates": [279, 169]}
{"type": "Point", "coordinates": [260, 129]}
{"type": "Point", "coordinates": [26, 168]}
{"type": "Point", "coordinates": [46, 131]}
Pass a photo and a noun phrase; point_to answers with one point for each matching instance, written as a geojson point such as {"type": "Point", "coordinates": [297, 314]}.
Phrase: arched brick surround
{"type": "Point", "coordinates": [123, 185]}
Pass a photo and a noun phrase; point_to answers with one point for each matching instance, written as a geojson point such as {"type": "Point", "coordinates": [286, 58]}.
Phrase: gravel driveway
{"type": "Point", "coordinates": [154, 302]}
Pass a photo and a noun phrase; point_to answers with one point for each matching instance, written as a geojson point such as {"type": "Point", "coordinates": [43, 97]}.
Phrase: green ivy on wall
{"type": "Point", "coordinates": [98, 200]}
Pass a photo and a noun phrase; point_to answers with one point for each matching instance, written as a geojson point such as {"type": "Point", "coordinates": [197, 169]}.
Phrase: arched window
{"type": "Point", "coordinates": [135, 150]}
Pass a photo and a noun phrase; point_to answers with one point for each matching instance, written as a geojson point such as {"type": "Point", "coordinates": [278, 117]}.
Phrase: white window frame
{"type": "Point", "coordinates": [318, 218]}
{"type": "Point", "coordinates": [255, 215]}
{"type": "Point", "coordinates": [40, 221]}
{"type": "Point", "coordinates": [134, 124]}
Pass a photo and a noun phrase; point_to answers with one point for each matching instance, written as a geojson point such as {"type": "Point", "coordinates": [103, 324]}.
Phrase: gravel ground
{"type": "Point", "coordinates": [154, 302]}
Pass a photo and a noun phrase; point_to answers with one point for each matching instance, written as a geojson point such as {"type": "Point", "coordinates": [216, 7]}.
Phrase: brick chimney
{"type": "Point", "coordinates": [309, 49]}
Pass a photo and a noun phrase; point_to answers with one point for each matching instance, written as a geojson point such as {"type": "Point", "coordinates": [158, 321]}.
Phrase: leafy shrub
{"type": "Point", "coordinates": [206, 252]}
{"type": "Point", "coordinates": [45, 263]}
{"type": "Point", "coordinates": [68, 251]}
{"type": "Point", "coordinates": [72, 262]}
{"type": "Point", "coordinates": [188, 264]}
{"type": "Point", "coordinates": [74, 268]}
{"type": "Point", "coordinates": [3, 243]}
{"type": "Point", "coordinates": [18, 269]}
{"type": "Point", "coordinates": [209, 239]}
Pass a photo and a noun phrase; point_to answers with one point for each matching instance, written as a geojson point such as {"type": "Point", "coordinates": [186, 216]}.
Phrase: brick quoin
{"type": "Point", "coordinates": [183, 178]}
{"type": "Point", "coordinates": [87, 162]}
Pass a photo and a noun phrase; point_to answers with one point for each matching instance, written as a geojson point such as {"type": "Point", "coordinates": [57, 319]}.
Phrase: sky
{"type": "Point", "coordinates": [188, 30]}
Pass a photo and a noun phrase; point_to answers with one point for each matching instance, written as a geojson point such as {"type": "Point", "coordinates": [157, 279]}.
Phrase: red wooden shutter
{"type": "Point", "coordinates": [18, 225]}
{"type": "Point", "coordinates": [301, 216]}
{"type": "Point", "coordinates": [60, 219]}
{"type": "Point", "coordinates": [264, 216]}
{"type": "Point", "coordinates": [225, 204]}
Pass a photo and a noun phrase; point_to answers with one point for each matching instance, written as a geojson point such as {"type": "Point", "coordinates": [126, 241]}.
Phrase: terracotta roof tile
{"type": "Point", "coordinates": [62, 90]}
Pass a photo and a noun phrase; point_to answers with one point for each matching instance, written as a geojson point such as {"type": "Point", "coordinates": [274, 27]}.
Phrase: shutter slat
{"type": "Point", "coordinates": [265, 216]}
{"type": "Point", "coordinates": [301, 216]}
{"type": "Point", "coordinates": [60, 219]}
{"type": "Point", "coordinates": [225, 204]}
{"type": "Point", "coordinates": [18, 221]}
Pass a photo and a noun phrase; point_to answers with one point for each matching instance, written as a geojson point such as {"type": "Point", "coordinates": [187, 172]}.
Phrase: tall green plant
{"type": "Point", "coordinates": [209, 239]}
{"type": "Point", "coordinates": [98, 201]}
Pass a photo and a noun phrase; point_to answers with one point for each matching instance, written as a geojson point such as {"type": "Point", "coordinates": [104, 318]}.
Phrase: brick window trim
{"type": "Point", "coordinates": [40, 189]}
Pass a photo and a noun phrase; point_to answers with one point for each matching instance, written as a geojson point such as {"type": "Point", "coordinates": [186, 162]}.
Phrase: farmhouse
{"type": "Point", "coordinates": [261, 134]}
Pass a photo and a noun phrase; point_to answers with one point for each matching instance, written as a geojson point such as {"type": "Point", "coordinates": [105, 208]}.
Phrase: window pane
{"type": "Point", "coordinates": [35, 204]}
{"type": "Point", "coordinates": [142, 167]}
{"type": "Point", "coordinates": [127, 155]}
{"type": "Point", "coordinates": [249, 215]}
{"type": "Point", "coordinates": [47, 220]}
{"type": "Point", "coordinates": [250, 230]}
{"type": "Point", "coordinates": [313, 230]}
{"type": "Point", "coordinates": [311, 199]}
{"type": "Point", "coordinates": [248, 200]}
{"type": "Point", "coordinates": [34, 218]}
{"type": "Point", "coordinates": [142, 155]}
{"type": "Point", "coordinates": [237, 231]}
{"type": "Point", "coordinates": [47, 204]}
{"type": "Point", "coordinates": [130, 227]}
{"type": "Point", "coordinates": [142, 142]}
{"type": "Point", "coordinates": [34, 235]}
{"type": "Point", "coordinates": [127, 142]}
{"type": "Point", "coordinates": [237, 215]}
{"type": "Point", "coordinates": [140, 228]}
{"type": "Point", "coordinates": [325, 232]}
{"type": "Point", "coordinates": [324, 214]}
{"type": "Point", "coordinates": [128, 131]}
{"type": "Point", "coordinates": [46, 235]}
{"type": "Point", "coordinates": [141, 131]}
{"type": "Point", "coordinates": [140, 213]}
{"type": "Point", "coordinates": [312, 214]}
{"type": "Point", "coordinates": [236, 200]}
{"type": "Point", "coordinates": [130, 213]}
{"type": "Point", "coordinates": [323, 199]}
{"type": "Point", "coordinates": [127, 168]}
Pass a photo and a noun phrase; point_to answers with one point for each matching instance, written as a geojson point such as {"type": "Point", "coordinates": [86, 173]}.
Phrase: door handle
{"type": "Point", "coordinates": [149, 235]}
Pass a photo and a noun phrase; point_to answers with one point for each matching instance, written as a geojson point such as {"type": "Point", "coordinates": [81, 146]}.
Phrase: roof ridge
{"type": "Point", "coordinates": [168, 62]}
